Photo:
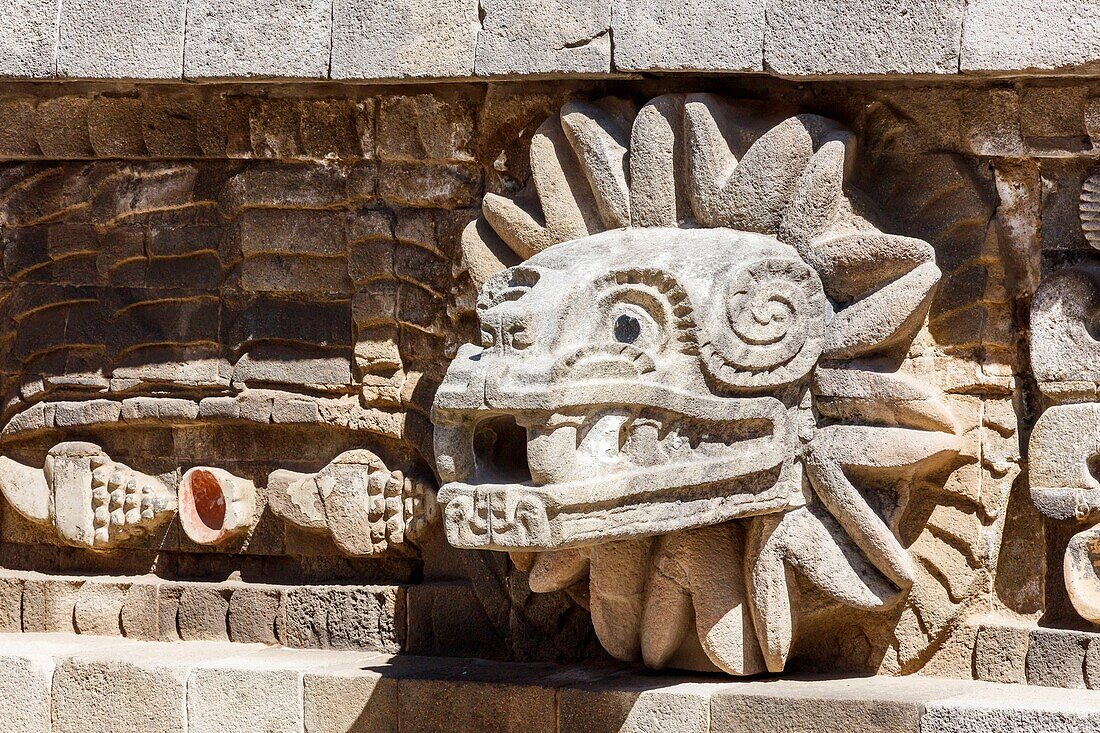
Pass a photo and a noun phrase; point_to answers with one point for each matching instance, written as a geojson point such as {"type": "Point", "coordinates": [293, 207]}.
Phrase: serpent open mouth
{"type": "Point", "coordinates": [572, 477]}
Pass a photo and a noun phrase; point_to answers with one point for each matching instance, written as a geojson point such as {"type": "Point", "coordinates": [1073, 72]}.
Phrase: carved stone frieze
{"type": "Point", "coordinates": [691, 381]}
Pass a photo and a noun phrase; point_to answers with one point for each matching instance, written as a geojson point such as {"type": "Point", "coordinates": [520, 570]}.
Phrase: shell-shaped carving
{"type": "Point", "coordinates": [1090, 209]}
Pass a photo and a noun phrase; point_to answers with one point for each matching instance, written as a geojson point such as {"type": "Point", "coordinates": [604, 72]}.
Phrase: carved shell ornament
{"type": "Point", "coordinates": [680, 379]}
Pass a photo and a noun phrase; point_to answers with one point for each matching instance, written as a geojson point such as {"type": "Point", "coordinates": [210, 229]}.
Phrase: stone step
{"type": "Point", "coordinates": [66, 682]}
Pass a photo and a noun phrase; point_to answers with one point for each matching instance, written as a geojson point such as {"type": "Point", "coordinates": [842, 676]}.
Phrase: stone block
{"type": "Point", "coordinates": [114, 126]}
{"type": "Point", "coordinates": [274, 273]}
{"type": "Point", "coordinates": [1000, 653]}
{"type": "Point", "coordinates": [544, 37]}
{"type": "Point", "coordinates": [168, 606]}
{"type": "Point", "coordinates": [28, 35]}
{"type": "Point", "coordinates": [49, 604]}
{"type": "Point", "coordinates": [448, 618]}
{"type": "Point", "coordinates": [103, 694]}
{"type": "Point", "coordinates": [265, 38]}
{"type": "Point", "coordinates": [1056, 658]}
{"type": "Point", "coordinates": [452, 699]}
{"type": "Point", "coordinates": [129, 39]}
{"type": "Point", "coordinates": [425, 127]}
{"type": "Point", "coordinates": [810, 37]}
{"type": "Point", "coordinates": [635, 705]}
{"type": "Point", "coordinates": [361, 701]}
{"type": "Point", "coordinates": [11, 605]}
{"type": "Point", "coordinates": [1032, 35]}
{"type": "Point", "coordinates": [140, 612]}
{"type": "Point", "coordinates": [273, 231]}
{"type": "Point", "coordinates": [25, 683]}
{"type": "Point", "coordinates": [883, 705]}
{"type": "Point", "coordinates": [692, 35]}
{"type": "Point", "coordinates": [345, 617]}
{"type": "Point", "coordinates": [394, 39]}
{"type": "Point", "coordinates": [256, 614]}
{"type": "Point", "coordinates": [225, 698]}
{"type": "Point", "coordinates": [1003, 709]}
{"type": "Point", "coordinates": [442, 186]}
{"type": "Point", "coordinates": [204, 612]}
{"type": "Point", "coordinates": [98, 608]}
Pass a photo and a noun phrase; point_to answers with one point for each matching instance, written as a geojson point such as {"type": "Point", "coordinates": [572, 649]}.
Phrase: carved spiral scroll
{"type": "Point", "coordinates": [767, 330]}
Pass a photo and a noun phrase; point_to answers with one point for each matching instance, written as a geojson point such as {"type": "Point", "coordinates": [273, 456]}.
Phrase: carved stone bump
{"type": "Point", "coordinates": [1063, 448]}
{"type": "Point", "coordinates": [696, 289]}
{"type": "Point", "coordinates": [215, 505]}
{"type": "Point", "coordinates": [363, 505]}
{"type": "Point", "coordinates": [1065, 315]}
{"type": "Point", "coordinates": [85, 497]}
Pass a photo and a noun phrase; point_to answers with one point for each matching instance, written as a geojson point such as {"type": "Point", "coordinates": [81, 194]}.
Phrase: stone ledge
{"type": "Point", "coordinates": [61, 683]}
{"type": "Point", "coordinates": [357, 40]}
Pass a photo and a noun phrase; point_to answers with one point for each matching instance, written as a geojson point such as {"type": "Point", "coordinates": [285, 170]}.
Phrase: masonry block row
{"type": "Point", "coordinates": [398, 39]}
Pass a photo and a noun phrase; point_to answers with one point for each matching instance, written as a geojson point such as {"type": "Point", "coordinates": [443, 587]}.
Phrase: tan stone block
{"type": "Point", "coordinates": [98, 608]}
{"type": "Point", "coordinates": [1008, 709]}
{"type": "Point", "coordinates": [630, 704]}
{"type": "Point", "coordinates": [11, 605]}
{"type": "Point", "coordinates": [141, 612]}
{"type": "Point", "coordinates": [168, 604]}
{"type": "Point", "coordinates": [1000, 653]}
{"type": "Point", "coordinates": [361, 701]}
{"type": "Point", "coordinates": [105, 695]}
{"type": "Point", "coordinates": [49, 604]}
{"type": "Point", "coordinates": [228, 699]}
{"type": "Point", "coordinates": [880, 704]}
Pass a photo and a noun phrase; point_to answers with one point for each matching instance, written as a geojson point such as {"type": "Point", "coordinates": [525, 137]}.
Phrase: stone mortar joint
{"type": "Point", "coordinates": [88, 499]}
{"type": "Point", "coordinates": [215, 506]}
{"type": "Point", "coordinates": [363, 505]}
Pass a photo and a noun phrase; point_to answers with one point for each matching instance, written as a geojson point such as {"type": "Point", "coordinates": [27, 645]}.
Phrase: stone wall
{"type": "Point", "coordinates": [368, 40]}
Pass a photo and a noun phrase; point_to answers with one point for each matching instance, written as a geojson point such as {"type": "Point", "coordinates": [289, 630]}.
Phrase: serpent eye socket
{"type": "Point", "coordinates": [629, 323]}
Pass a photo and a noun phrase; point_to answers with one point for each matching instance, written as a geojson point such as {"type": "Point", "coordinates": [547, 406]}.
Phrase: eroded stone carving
{"type": "Point", "coordinates": [679, 391]}
{"type": "Point", "coordinates": [88, 499]}
{"type": "Point", "coordinates": [356, 499]}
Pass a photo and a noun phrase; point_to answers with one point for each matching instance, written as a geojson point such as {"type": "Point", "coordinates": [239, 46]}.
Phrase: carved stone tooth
{"type": "Point", "coordinates": [215, 505]}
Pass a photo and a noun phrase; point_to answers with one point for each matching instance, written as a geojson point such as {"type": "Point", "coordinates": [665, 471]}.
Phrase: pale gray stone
{"type": "Point", "coordinates": [806, 37]}
{"type": "Point", "coordinates": [134, 39]}
{"type": "Point", "coordinates": [1007, 709]}
{"type": "Point", "coordinates": [703, 35]}
{"type": "Point", "coordinates": [25, 682]}
{"type": "Point", "coordinates": [103, 694]}
{"type": "Point", "coordinates": [267, 38]}
{"type": "Point", "coordinates": [544, 37]}
{"type": "Point", "coordinates": [1041, 35]}
{"type": "Point", "coordinates": [396, 39]}
{"type": "Point", "coordinates": [28, 35]}
{"type": "Point", "coordinates": [246, 699]}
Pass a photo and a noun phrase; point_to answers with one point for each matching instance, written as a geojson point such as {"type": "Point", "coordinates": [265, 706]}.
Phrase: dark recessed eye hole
{"type": "Point", "coordinates": [627, 329]}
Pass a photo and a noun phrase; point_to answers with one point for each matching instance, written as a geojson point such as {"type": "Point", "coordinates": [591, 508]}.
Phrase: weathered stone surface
{"type": "Point", "coordinates": [696, 35]}
{"type": "Point", "coordinates": [98, 608]}
{"type": "Point", "coordinates": [256, 614]}
{"type": "Point", "coordinates": [361, 701]}
{"type": "Point", "coordinates": [139, 39]}
{"type": "Point", "coordinates": [533, 37]}
{"type": "Point", "coordinates": [204, 612]}
{"type": "Point", "coordinates": [28, 35]}
{"type": "Point", "coordinates": [243, 697]}
{"type": "Point", "coordinates": [1056, 658]}
{"type": "Point", "coordinates": [248, 38]}
{"type": "Point", "coordinates": [634, 706]}
{"type": "Point", "coordinates": [1000, 653]}
{"type": "Point", "coordinates": [884, 705]}
{"type": "Point", "coordinates": [649, 565]}
{"type": "Point", "coordinates": [25, 686]}
{"type": "Point", "coordinates": [806, 37]}
{"type": "Point", "coordinates": [1010, 709]}
{"type": "Point", "coordinates": [397, 40]}
{"type": "Point", "coordinates": [1052, 35]}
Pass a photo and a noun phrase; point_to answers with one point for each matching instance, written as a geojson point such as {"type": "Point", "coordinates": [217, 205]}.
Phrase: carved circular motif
{"type": "Point", "coordinates": [768, 328]}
